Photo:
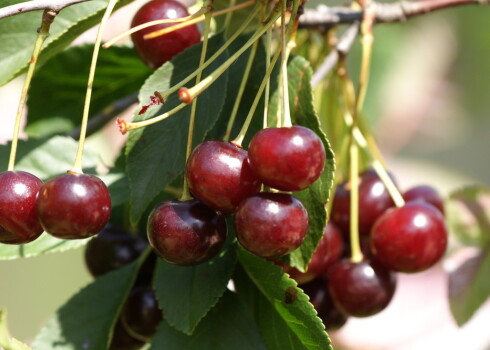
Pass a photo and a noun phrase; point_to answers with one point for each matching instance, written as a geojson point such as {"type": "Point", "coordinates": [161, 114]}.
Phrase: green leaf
{"type": "Point", "coordinates": [120, 72]}
{"type": "Point", "coordinates": [469, 286]}
{"type": "Point", "coordinates": [186, 294]}
{"type": "Point", "coordinates": [227, 326]}
{"type": "Point", "coordinates": [283, 313]}
{"type": "Point", "coordinates": [156, 154]}
{"type": "Point", "coordinates": [86, 320]}
{"type": "Point", "coordinates": [18, 34]}
{"type": "Point", "coordinates": [468, 215]}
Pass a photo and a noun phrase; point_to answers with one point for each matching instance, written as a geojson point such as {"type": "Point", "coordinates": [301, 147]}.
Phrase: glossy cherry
{"type": "Point", "coordinates": [411, 238]}
{"type": "Point", "coordinates": [73, 206]}
{"type": "Point", "coordinates": [111, 249]}
{"type": "Point", "coordinates": [218, 174]}
{"type": "Point", "coordinates": [19, 223]}
{"type": "Point", "coordinates": [374, 199]}
{"type": "Point", "coordinates": [271, 224]}
{"type": "Point", "coordinates": [122, 340]}
{"type": "Point", "coordinates": [320, 297]}
{"type": "Point", "coordinates": [186, 232]}
{"type": "Point", "coordinates": [361, 289]}
{"type": "Point", "coordinates": [289, 159]}
{"type": "Point", "coordinates": [328, 252]}
{"type": "Point", "coordinates": [427, 194]}
{"type": "Point", "coordinates": [140, 314]}
{"type": "Point", "coordinates": [157, 51]}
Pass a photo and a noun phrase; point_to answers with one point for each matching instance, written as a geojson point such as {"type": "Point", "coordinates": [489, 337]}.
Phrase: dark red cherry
{"type": "Point", "coordinates": [111, 249]}
{"type": "Point", "coordinates": [374, 199]}
{"type": "Point", "coordinates": [361, 289]}
{"type": "Point", "coordinates": [186, 233]}
{"type": "Point", "coordinates": [328, 252]}
{"type": "Point", "coordinates": [320, 297]}
{"type": "Point", "coordinates": [271, 224]}
{"type": "Point", "coordinates": [289, 159]}
{"type": "Point", "coordinates": [140, 314]}
{"type": "Point", "coordinates": [427, 194]}
{"type": "Point", "coordinates": [122, 340]}
{"type": "Point", "coordinates": [218, 174]}
{"type": "Point", "coordinates": [73, 206]}
{"type": "Point", "coordinates": [18, 219]}
{"type": "Point", "coordinates": [411, 238]}
{"type": "Point", "coordinates": [157, 51]}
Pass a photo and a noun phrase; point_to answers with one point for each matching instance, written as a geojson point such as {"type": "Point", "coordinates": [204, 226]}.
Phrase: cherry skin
{"type": "Point", "coordinates": [19, 223]}
{"type": "Point", "coordinates": [361, 289]}
{"type": "Point", "coordinates": [374, 199]}
{"type": "Point", "coordinates": [140, 314]}
{"type": "Point", "coordinates": [411, 238]}
{"type": "Point", "coordinates": [427, 194]}
{"type": "Point", "coordinates": [288, 159]}
{"type": "Point", "coordinates": [156, 51]}
{"type": "Point", "coordinates": [122, 340]}
{"type": "Point", "coordinates": [73, 206]}
{"type": "Point", "coordinates": [328, 252]}
{"type": "Point", "coordinates": [218, 174]}
{"type": "Point", "coordinates": [186, 232]}
{"type": "Point", "coordinates": [112, 249]}
{"type": "Point", "coordinates": [320, 297]}
{"type": "Point", "coordinates": [270, 225]}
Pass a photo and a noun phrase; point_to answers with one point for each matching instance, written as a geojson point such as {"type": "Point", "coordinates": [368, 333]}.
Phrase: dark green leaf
{"type": "Point", "coordinates": [86, 320]}
{"type": "Point", "coordinates": [186, 294]}
{"type": "Point", "coordinates": [469, 287]}
{"type": "Point", "coordinates": [120, 72]}
{"type": "Point", "coordinates": [227, 326]}
{"type": "Point", "coordinates": [285, 322]}
{"type": "Point", "coordinates": [156, 154]}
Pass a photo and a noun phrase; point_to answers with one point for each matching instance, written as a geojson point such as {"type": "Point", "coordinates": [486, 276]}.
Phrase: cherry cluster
{"type": "Point", "coordinates": [226, 179]}
{"type": "Point", "coordinates": [408, 239]}
{"type": "Point", "coordinates": [69, 206]}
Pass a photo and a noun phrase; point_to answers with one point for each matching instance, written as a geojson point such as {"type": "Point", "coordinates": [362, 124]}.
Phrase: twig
{"type": "Point", "coordinates": [35, 5]}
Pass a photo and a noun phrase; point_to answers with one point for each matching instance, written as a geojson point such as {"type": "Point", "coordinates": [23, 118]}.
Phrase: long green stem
{"type": "Point", "coordinates": [355, 244]}
{"type": "Point", "coordinates": [77, 166]}
{"type": "Point", "coordinates": [268, 43]}
{"type": "Point", "coordinates": [43, 32]}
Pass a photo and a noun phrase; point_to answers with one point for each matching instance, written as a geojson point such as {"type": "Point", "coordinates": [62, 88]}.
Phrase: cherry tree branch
{"type": "Point", "coordinates": [35, 5]}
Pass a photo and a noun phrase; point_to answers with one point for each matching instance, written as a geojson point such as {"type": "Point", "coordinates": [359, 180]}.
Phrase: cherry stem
{"type": "Point", "coordinates": [227, 22]}
{"type": "Point", "coordinates": [77, 166]}
{"type": "Point", "coordinates": [285, 112]}
{"type": "Point", "coordinates": [43, 32]}
{"type": "Point", "coordinates": [186, 195]}
{"type": "Point", "coordinates": [268, 43]}
{"type": "Point", "coordinates": [241, 90]}
{"type": "Point", "coordinates": [124, 126]}
{"type": "Point", "coordinates": [355, 244]}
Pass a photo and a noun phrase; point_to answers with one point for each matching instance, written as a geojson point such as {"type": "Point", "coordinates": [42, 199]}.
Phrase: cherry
{"type": "Point", "coordinates": [140, 314]}
{"type": "Point", "coordinates": [374, 199]}
{"type": "Point", "coordinates": [111, 249]}
{"type": "Point", "coordinates": [289, 159]}
{"type": "Point", "coordinates": [18, 219]}
{"type": "Point", "coordinates": [271, 224]}
{"type": "Point", "coordinates": [361, 289]}
{"type": "Point", "coordinates": [320, 297]}
{"type": "Point", "coordinates": [411, 238]}
{"type": "Point", "coordinates": [427, 194]}
{"type": "Point", "coordinates": [328, 252]}
{"type": "Point", "coordinates": [186, 233]}
{"type": "Point", "coordinates": [218, 174]}
{"type": "Point", "coordinates": [74, 206]}
{"type": "Point", "coordinates": [122, 340]}
{"type": "Point", "coordinates": [156, 51]}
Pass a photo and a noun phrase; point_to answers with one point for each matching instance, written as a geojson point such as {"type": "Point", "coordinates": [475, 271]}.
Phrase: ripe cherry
{"type": "Point", "coordinates": [361, 289]}
{"type": "Point", "coordinates": [427, 194]}
{"type": "Point", "coordinates": [73, 206]}
{"type": "Point", "coordinates": [411, 238]}
{"type": "Point", "coordinates": [320, 297]}
{"type": "Point", "coordinates": [186, 233]}
{"type": "Point", "coordinates": [374, 199]}
{"type": "Point", "coordinates": [140, 314]}
{"type": "Point", "coordinates": [218, 174]}
{"type": "Point", "coordinates": [289, 159]}
{"type": "Point", "coordinates": [19, 223]}
{"type": "Point", "coordinates": [271, 224]}
{"type": "Point", "coordinates": [111, 249]}
{"type": "Point", "coordinates": [328, 252]}
{"type": "Point", "coordinates": [122, 340]}
{"type": "Point", "coordinates": [157, 51]}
